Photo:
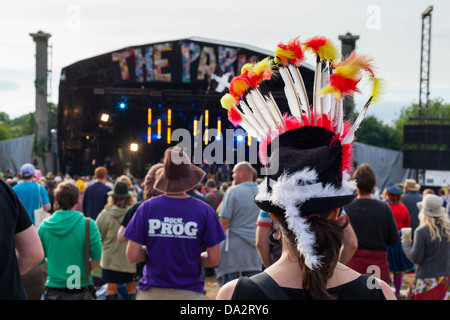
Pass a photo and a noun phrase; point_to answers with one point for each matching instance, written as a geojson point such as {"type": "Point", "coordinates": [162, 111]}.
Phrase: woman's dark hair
{"type": "Point", "coordinates": [66, 195]}
{"type": "Point", "coordinates": [365, 178]}
{"type": "Point", "coordinates": [329, 235]}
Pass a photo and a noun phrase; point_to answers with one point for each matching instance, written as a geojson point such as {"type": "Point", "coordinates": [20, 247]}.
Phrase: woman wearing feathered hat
{"type": "Point", "coordinates": [312, 152]}
{"type": "Point", "coordinates": [170, 231]}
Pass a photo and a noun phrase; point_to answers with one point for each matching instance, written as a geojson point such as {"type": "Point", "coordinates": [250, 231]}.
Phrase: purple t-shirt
{"type": "Point", "coordinates": [175, 231]}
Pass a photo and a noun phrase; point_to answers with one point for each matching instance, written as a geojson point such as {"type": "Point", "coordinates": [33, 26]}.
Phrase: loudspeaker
{"type": "Point", "coordinates": [426, 134]}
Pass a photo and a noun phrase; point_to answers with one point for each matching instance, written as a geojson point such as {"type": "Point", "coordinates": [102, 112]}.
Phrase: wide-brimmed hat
{"type": "Point", "coordinates": [149, 181]}
{"type": "Point", "coordinates": [120, 190]}
{"type": "Point", "coordinates": [431, 205]}
{"type": "Point", "coordinates": [178, 174]}
{"type": "Point", "coordinates": [394, 189]}
{"type": "Point", "coordinates": [411, 185]}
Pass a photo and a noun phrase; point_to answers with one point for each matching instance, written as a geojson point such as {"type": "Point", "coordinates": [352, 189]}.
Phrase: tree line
{"type": "Point", "coordinates": [373, 131]}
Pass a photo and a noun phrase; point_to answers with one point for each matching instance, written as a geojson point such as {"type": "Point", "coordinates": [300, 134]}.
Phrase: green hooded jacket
{"type": "Point", "coordinates": [62, 236]}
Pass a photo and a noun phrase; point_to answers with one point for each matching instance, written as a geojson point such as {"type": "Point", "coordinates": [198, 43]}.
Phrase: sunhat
{"type": "Point", "coordinates": [431, 205]}
{"type": "Point", "coordinates": [412, 185]}
{"type": "Point", "coordinates": [178, 174]}
{"type": "Point", "coordinates": [149, 181]}
{"type": "Point", "coordinates": [120, 190]}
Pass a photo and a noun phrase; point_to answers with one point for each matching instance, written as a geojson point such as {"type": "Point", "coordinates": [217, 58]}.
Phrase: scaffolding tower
{"type": "Point", "coordinates": [425, 57]}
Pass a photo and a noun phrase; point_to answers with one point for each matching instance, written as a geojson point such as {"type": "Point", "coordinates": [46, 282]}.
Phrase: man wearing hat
{"type": "Point", "coordinates": [32, 194]}
{"type": "Point", "coordinates": [169, 233]}
{"type": "Point", "coordinates": [410, 200]}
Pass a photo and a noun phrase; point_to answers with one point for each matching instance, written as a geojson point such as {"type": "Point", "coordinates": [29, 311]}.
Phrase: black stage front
{"type": "Point", "coordinates": [134, 83]}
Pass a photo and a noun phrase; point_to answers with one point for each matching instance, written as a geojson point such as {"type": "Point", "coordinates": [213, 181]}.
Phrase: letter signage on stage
{"type": "Point", "coordinates": [181, 61]}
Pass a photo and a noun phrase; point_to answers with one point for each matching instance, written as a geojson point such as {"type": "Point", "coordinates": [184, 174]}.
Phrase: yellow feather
{"type": "Point", "coordinates": [329, 89]}
{"type": "Point", "coordinates": [377, 88]}
{"type": "Point", "coordinates": [329, 52]}
{"type": "Point", "coordinates": [247, 67]}
{"type": "Point", "coordinates": [227, 101]}
{"type": "Point", "coordinates": [264, 65]}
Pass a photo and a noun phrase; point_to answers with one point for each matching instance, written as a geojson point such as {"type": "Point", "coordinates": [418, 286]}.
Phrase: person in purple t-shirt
{"type": "Point", "coordinates": [170, 231]}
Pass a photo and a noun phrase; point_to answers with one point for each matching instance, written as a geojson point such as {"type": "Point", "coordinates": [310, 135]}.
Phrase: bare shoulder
{"type": "Point", "coordinates": [226, 292]}
{"type": "Point", "coordinates": [387, 291]}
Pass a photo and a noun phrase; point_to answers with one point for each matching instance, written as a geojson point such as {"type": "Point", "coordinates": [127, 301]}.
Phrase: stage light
{"type": "Point", "coordinates": [206, 136]}
{"type": "Point", "coordinates": [158, 136]}
{"type": "Point", "coordinates": [122, 104]}
{"type": "Point", "coordinates": [134, 147]}
{"type": "Point", "coordinates": [169, 117]}
{"type": "Point", "coordinates": [195, 127]}
{"type": "Point", "coordinates": [259, 139]}
{"type": "Point", "coordinates": [149, 125]}
{"type": "Point", "coordinates": [169, 136]}
{"type": "Point", "coordinates": [206, 118]}
{"type": "Point", "coordinates": [159, 128]}
{"type": "Point", "coordinates": [218, 138]}
{"type": "Point", "coordinates": [219, 127]}
{"type": "Point", "coordinates": [104, 117]}
{"type": "Point", "coordinates": [240, 138]}
{"type": "Point", "coordinates": [249, 140]}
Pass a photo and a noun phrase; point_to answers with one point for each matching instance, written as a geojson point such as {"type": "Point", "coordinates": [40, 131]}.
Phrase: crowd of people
{"type": "Point", "coordinates": [158, 238]}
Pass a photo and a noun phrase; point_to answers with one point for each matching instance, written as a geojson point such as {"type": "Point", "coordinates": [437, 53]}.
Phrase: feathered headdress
{"type": "Point", "coordinates": [313, 145]}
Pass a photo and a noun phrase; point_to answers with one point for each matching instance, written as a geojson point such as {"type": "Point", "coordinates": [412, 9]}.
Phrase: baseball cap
{"type": "Point", "coordinates": [27, 170]}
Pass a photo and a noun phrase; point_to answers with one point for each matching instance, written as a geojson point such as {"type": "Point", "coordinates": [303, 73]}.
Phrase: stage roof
{"type": "Point", "coordinates": [187, 76]}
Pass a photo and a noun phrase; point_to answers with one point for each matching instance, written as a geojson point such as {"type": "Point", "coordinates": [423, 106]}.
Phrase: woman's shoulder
{"type": "Point", "coordinates": [227, 290]}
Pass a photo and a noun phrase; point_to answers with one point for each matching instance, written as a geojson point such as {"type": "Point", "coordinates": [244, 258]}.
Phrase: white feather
{"type": "Point", "coordinates": [271, 108]}
{"type": "Point", "coordinates": [256, 111]}
{"type": "Point", "coordinates": [317, 101]}
{"type": "Point", "coordinates": [273, 105]}
{"type": "Point", "coordinates": [251, 118]}
{"type": "Point", "coordinates": [327, 99]}
{"type": "Point", "coordinates": [263, 108]}
{"type": "Point", "coordinates": [351, 134]}
{"type": "Point", "coordinates": [246, 125]}
{"type": "Point", "coordinates": [300, 88]}
{"type": "Point", "coordinates": [339, 117]}
{"type": "Point", "coordinates": [291, 95]}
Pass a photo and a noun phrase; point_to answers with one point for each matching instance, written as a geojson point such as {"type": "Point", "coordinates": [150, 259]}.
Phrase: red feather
{"type": "Point", "coordinates": [343, 84]}
{"type": "Point", "coordinates": [239, 85]}
{"type": "Point", "coordinates": [315, 43]}
{"type": "Point", "coordinates": [234, 116]}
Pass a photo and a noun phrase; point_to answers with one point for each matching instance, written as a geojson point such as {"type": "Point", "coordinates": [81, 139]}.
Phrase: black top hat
{"type": "Point", "coordinates": [315, 152]}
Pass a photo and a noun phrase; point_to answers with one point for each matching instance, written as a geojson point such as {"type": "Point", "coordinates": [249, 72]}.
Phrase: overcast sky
{"type": "Point", "coordinates": [389, 30]}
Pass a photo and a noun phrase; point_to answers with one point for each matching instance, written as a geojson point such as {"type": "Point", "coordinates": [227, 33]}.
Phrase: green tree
{"type": "Point", "coordinates": [374, 132]}
{"type": "Point", "coordinates": [5, 134]}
